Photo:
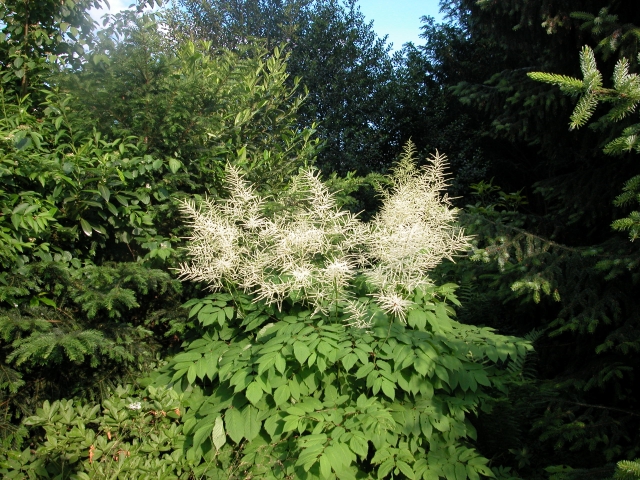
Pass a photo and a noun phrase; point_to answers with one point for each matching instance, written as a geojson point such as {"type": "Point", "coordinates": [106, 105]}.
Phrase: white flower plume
{"type": "Point", "coordinates": [415, 228]}
{"type": "Point", "coordinates": [302, 245]}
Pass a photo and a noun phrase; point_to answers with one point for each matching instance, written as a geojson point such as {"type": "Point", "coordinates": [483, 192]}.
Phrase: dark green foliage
{"type": "Point", "coordinates": [349, 75]}
{"type": "Point", "coordinates": [584, 298]}
{"type": "Point", "coordinates": [68, 331]}
{"type": "Point", "coordinates": [553, 261]}
{"type": "Point", "coordinates": [88, 202]}
{"type": "Point", "coordinates": [426, 111]}
{"type": "Point", "coordinates": [290, 393]}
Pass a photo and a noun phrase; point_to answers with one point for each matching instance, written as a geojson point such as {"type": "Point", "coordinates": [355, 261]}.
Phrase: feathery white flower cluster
{"type": "Point", "coordinates": [414, 230]}
{"type": "Point", "coordinates": [301, 245]}
{"type": "Point", "coordinates": [307, 248]}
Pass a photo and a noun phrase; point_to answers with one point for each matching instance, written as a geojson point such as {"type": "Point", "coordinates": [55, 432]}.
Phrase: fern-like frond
{"type": "Point", "coordinates": [627, 142]}
{"type": "Point", "coordinates": [630, 192]}
{"type": "Point", "coordinates": [570, 85]}
{"type": "Point", "coordinates": [585, 16]}
{"type": "Point", "coordinates": [14, 324]}
{"type": "Point", "coordinates": [77, 345]}
{"type": "Point", "coordinates": [40, 348]}
{"type": "Point", "coordinates": [630, 224]}
{"type": "Point", "coordinates": [10, 379]}
{"type": "Point", "coordinates": [584, 110]}
{"type": "Point", "coordinates": [589, 67]}
{"type": "Point", "coordinates": [36, 348]}
{"type": "Point", "coordinates": [628, 469]}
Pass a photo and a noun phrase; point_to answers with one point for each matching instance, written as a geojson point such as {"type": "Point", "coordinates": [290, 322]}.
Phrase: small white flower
{"type": "Point", "coordinates": [393, 303]}
{"type": "Point", "coordinates": [135, 406]}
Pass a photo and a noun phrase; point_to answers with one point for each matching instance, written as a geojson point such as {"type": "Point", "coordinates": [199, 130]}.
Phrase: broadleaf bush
{"type": "Point", "coordinates": [352, 372]}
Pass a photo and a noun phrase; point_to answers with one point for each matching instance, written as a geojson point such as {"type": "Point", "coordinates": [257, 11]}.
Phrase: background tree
{"type": "Point", "coordinates": [87, 203]}
{"type": "Point", "coordinates": [559, 244]}
{"type": "Point", "coordinates": [338, 58]}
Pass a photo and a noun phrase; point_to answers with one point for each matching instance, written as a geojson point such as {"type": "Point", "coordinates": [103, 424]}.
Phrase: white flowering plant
{"type": "Point", "coordinates": [301, 246]}
{"type": "Point", "coordinates": [326, 351]}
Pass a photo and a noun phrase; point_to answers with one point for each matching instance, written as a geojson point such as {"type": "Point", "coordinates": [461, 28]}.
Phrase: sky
{"type": "Point", "coordinates": [399, 19]}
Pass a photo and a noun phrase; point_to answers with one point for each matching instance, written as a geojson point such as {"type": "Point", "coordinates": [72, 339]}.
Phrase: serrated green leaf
{"type": "Point", "coordinates": [364, 370]}
{"type": "Point", "coordinates": [218, 434]}
{"type": "Point", "coordinates": [281, 395]}
{"type": "Point", "coordinates": [385, 468]}
{"type": "Point", "coordinates": [325, 466]}
{"type": "Point", "coordinates": [309, 456]}
{"type": "Point", "coordinates": [406, 470]}
{"type": "Point", "coordinates": [291, 424]}
{"type": "Point", "coordinates": [389, 389]}
{"type": "Point", "coordinates": [417, 319]}
{"type": "Point", "coordinates": [192, 373]}
{"type": "Point", "coordinates": [336, 456]}
{"type": "Point", "coordinates": [235, 424]}
{"type": "Point", "coordinates": [461, 471]}
{"type": "Point", "coordinates": [201, 434]}
{"type": "Point", "coordinates": [251, 423]}
{"type": "Point", "coordinates": [280, 363]}
{"type": "Point", "coordinates": [301, 351]}
{"type": "Point", "coordinates": [349, 361]}
{"type": "Point", "coordinates": [359, 445]}
{"type": "Point", "coordinates": [174, 164]}
{"type": "Point", "coordinates": [254, 392]}
{"type": "Point", "coordinates": [187, 357]}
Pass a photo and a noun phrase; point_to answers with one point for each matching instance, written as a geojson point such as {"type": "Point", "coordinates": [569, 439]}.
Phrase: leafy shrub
{"type": "Point", "coordinates": [131, 436]}
{"type": "Point", "coordinates": [89, 212]}
{"type": "Point", "coordinates": [355, 368]}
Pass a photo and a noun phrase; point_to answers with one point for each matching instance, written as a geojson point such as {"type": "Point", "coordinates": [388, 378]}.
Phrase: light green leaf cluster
{"type": "Point", "coordinates": [302, 246]}
{"type": "Point", "coordinates": [130, 435]}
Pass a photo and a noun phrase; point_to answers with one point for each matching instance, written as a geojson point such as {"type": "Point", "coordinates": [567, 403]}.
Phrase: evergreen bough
{"type": "Point", "coordinates": [624, 97]}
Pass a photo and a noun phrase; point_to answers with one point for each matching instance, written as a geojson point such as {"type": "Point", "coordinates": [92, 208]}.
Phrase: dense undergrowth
{"type": "Point", "coordinates": [183, 295]}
